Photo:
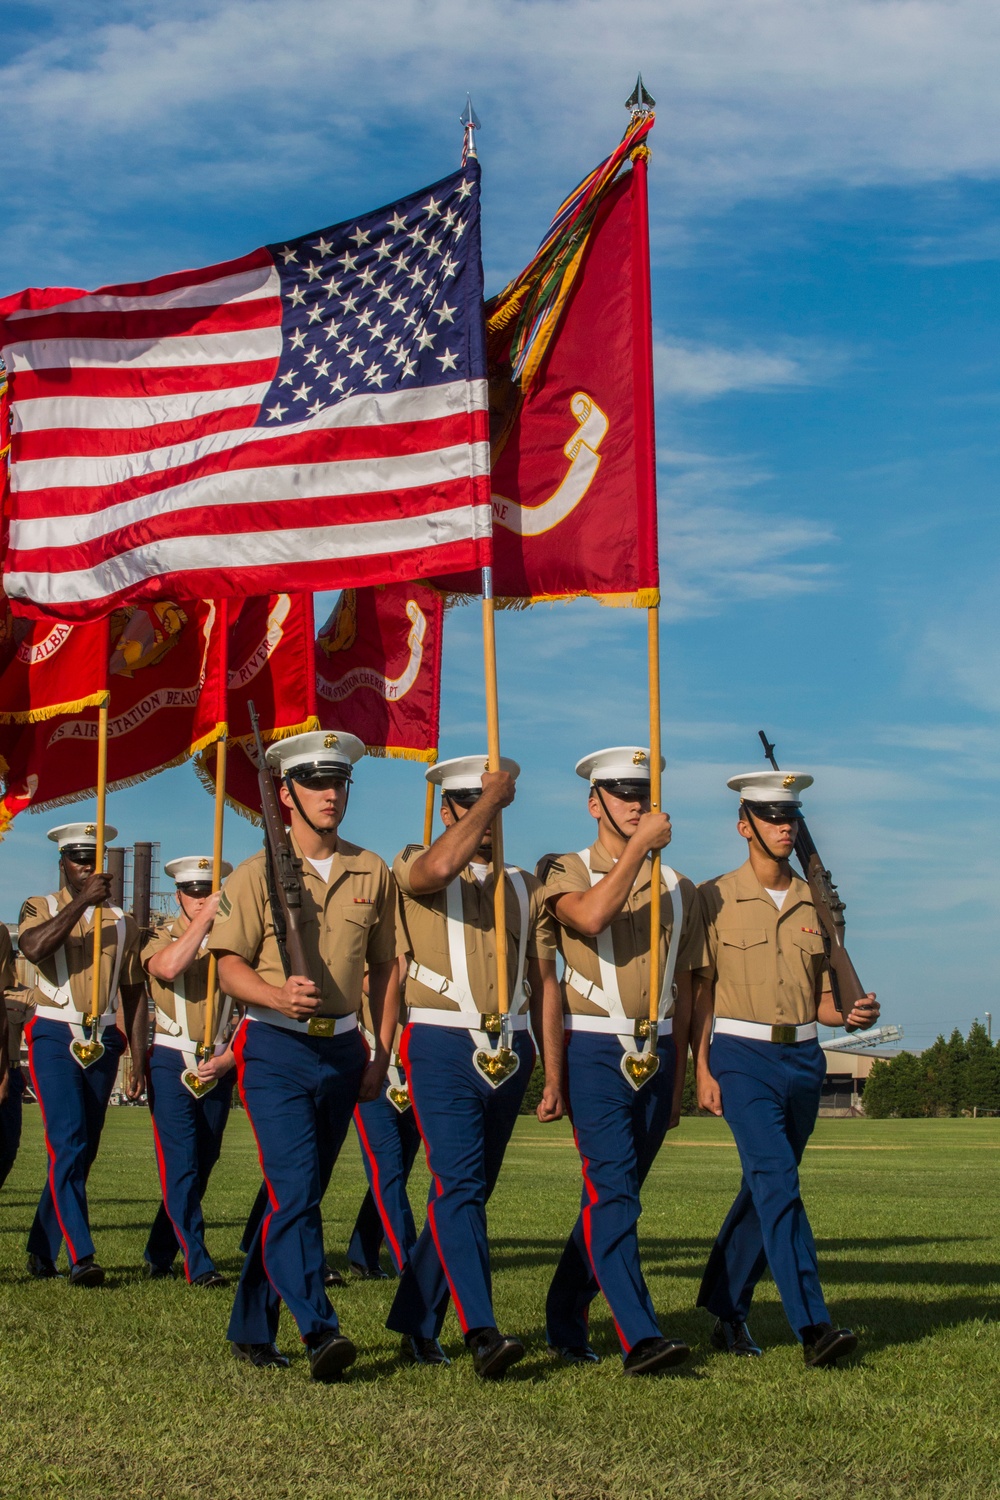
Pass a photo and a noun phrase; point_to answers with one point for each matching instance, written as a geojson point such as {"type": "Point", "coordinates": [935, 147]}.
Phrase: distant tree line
{"type": "Point", "coordinates": [954, 1077]}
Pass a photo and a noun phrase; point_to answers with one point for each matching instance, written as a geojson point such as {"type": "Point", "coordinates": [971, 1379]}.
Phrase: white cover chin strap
{"type": "Point", "coordinates": [609, 995]}
{"type": "Point", "coordinates": [61, 994]}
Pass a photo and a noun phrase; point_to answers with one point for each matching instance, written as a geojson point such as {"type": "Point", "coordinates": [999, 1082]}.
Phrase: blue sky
{"type": "Point", "coordinates": [825, 240]}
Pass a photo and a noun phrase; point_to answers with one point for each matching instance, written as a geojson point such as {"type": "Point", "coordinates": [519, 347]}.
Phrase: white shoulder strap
{"type": "Point", "coordinates": [520, 885]}
{"type": "Point", "coordinates": [605, 944]}
{"type": "Point", "coordinates": [63, 994]}
{"type": "Point", "coordinates": [460, 989]}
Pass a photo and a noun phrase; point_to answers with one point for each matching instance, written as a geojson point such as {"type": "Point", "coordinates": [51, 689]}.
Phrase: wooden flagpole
{"type": "Point", "coordinates": [102, 802]}
{"type": "Point", "coordinates": [641, 104]}
{"type": "Point", "coordinates": [429, 814]}
{"type": "Point", "coordinates": [493, 750]}
{"type": "Point", "coordinates": [211, 983]}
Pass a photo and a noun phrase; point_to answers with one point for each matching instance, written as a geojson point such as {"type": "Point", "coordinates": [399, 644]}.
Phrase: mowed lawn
{"type": "Point", "coordinates": [131, 1391]}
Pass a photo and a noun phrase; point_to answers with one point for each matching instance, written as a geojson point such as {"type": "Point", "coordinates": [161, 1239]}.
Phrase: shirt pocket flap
{"type": "Point", "coordinates": [749, 938]}
{"type": "Point", "coordinates": [363, 913]}
{"type": "Point", "coordinates": [811, 942]}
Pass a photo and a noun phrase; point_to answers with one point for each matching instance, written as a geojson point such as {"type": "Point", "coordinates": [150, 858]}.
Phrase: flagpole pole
{"type": "Point", "coordinates": [429, 813]}
{"type": "Point", "coordinates": [211, 983]}
{"type": "Point", "coordinates": [493, 751]}
{"type": "Point", "coordinates": [102, 802]}
{"type": "Point", "coordinates": [641, 105]}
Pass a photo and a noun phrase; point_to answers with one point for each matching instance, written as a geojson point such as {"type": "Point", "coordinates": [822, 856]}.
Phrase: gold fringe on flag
{"type": "Point", "coordinates": [38, 715]}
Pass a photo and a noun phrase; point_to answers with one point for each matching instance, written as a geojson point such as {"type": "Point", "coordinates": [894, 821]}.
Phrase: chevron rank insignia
{"type": "Point", "coordinates": [546, 864]}
{"type": "Point", "coordinates": [225, 906]}
{"type": "Point", "coordinates": [411, 850]}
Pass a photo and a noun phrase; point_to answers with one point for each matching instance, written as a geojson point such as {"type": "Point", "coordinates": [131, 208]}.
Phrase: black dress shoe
{"type": "Point", "coordinates": [210, 1278]}
{"type": "Point", "coordinates": [651, 1355]}
{"type": "Point", "coordinates": [42, 1269]}
{"type": "Point", "coordinates": [328, 1360]}
{"type": "Point", "coordinates": [575, 1354]}
{"type": "Point", "coordinates": [734, 1338]}
{"type": "Point", "coordinates": [159, 1273]}
{"type": "Point", "coordinates": [86, 1272]}
{"type": "Point", "coordinates": [368, 1273]}
{"type": "Point", "coordinates": [414, 1351]}
{"type": "Point", "coordinates": [332, 1277]}
{"type": "Point", "coordinates": [824, 1345]}
{"type": "Point", "coordinates": [261, 1356]}
{"type": "Point", "coordinates": [492, 1354]}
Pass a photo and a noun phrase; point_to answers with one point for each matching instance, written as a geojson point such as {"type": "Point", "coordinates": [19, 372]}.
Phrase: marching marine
{"type": "Point", "coordinates": [301, 1061]}
{"type": "Point", "coordinates": [620, 1099]}
{"type": "Point", "coordinates": [189, 1094]}
{"type": "Point", "coordinates": [465, 1084]}
{"type": "Point", "coordinates": [766, 982]}
{"type": "Point", "coordinates": [73, 1073]}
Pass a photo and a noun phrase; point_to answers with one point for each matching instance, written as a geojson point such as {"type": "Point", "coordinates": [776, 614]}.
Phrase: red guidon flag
{"type": "Point", "coordinates": [48, 667]}
{"type": "Point", "coordinates": [163, 665]}
{"type": "Point", "coordinates": [310, 416]}
{"type": "Point", "coordinates": [571, 402]}
{"type": "Point", "coordinates": [378, 669]}
{"type": "Point", "coordinates": [271, 665]}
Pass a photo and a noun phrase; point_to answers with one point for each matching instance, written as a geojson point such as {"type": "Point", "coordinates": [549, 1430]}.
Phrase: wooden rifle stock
{"type": "Point", "coordinates": [847, 987]}
{"type": "Point", "coordinates": [286, 882]}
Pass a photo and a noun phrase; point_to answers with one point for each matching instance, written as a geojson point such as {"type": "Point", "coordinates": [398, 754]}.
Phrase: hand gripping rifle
{"type": "Point", "coordinates": [847, 987]}
{"type": "Point", "coordinates": [284, 885]}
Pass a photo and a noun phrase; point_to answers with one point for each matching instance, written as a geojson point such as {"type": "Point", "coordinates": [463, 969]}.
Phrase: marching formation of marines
{"type": "Point", "coordinates": [395, 1022]}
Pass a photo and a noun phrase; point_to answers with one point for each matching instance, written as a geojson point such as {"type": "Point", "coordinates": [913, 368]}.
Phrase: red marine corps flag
{"type": "Point", "coordinates": [160, 664]}
{"type": "Point", "coordinates": [571, 411]}
{"type": "Point", "coordinates": [271, 665]}
{"type": "Point", "coordinates": [310, 416]}
{"type": "Point", "coordinates": [378, 669]}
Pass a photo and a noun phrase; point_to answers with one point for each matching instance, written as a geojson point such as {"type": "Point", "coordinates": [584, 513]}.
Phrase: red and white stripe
{"type": "Point", "coordinates": [137, 471]}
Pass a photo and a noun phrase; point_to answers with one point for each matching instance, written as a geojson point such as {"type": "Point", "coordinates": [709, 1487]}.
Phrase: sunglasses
{"type": "Point", "coordinates": [464, 799]}
{"type": "Point", "coordinates": [775, 812]}
{"type": "Point", "coordinates": [318, 780]}
{"type": "Point", "coordinates": [196, 889]}
{"type": "Point", "coordinates": [626, 791]}
{"type": "Point", "coordinates": [85, 857]}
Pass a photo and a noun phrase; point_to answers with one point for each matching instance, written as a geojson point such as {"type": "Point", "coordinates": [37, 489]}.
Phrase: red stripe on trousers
{"type": "Point", "coordinates": [404, 1053]}
{"type": "Point", "coordinates": [239, 1042]}
{"type": "Point", "coordinates": [162, 1169]}
{"type": "Point", "coordinates": [592, 1196]}
{"type": "Point", "coordinates": [50, 1149]}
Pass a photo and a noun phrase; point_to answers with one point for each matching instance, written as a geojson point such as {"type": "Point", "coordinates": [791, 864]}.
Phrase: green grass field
{"type": "Point", "coordinates": [130, 1390]}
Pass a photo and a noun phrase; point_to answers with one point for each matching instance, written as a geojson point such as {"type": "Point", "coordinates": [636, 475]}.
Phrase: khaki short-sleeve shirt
{"type": "Point", "coordinates": [348, 922]}
{"type": "Point", "coordinates": [424, 934]}
{"type": "Point", "coordinates": [630, 934]}
{"type": "Point", "coordinates": [768, 965]}
{"type": "Point", "coordinates": [195, 986]}
{"type": "Point", "coordinates": [78, 948]}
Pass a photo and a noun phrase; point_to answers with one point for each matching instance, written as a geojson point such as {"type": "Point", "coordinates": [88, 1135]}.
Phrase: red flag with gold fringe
{"type": "Point", "coordinates": [164, 673]}
{"type": "Point", "coordinates": [571, 410]}
{"type": "Point", "coordinates": [378, 669]}
{"type": "Point", "coordinates": [270, 665]}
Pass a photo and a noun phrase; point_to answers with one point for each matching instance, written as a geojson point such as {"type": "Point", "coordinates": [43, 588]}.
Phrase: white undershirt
{"type": "Point", "coordinates": [778, 897]}
{"type": "Point", "coordinates": [323, 868]}
{"type": "Point", "coordinates": [480, 871]}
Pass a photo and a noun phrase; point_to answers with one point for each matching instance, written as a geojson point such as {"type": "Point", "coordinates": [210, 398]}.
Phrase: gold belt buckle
{"type": "Point", "coordinates": [492, 1023]}
{"type": "Point", "coordinates": [642, 1029]}
{"type": "Point", "coordinates": [783, 1035]}
{"type": "Point", "coordinates": [321, 1026]}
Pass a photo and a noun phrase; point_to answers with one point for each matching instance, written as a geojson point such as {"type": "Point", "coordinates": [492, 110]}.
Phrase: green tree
{"type": "Point", "coordinates": [981, 1073]}
{"type": "Point", "coordinates": [877, 1096]}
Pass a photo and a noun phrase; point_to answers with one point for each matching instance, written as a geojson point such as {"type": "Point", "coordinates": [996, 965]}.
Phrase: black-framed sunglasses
{"type": "Point", "coordinates": [317, 779]}
{"type": "Point", "coordinates": [196, 889]}
{"type": "Point", "coordinates": [85, 856]}
{"type": "Point", "coordinates": [775, 812]}
{"type": "Point", "coordinates": [626, 791]}
{"type": "Point", "coordinates": [465, 799]}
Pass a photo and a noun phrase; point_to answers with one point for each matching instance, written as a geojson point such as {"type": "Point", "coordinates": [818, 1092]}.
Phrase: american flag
{"type": "Point", "coordinates": [311, 416]}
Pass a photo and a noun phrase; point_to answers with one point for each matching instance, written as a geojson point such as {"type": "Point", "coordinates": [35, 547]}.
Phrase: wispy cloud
{"type": "Point", "coordinates": [701, 371]}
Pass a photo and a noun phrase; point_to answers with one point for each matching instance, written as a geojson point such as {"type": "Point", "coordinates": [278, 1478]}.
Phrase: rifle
{"type": "Point", "coordinates": [284, 885]}
{"type": "Point", "coordinates": [847, 987]}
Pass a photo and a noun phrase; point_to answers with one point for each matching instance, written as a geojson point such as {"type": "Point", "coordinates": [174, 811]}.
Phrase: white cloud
{"type": "Point", "coordinates": [698, 372]}
{"type": "Point", "coordinates": [177, 103]}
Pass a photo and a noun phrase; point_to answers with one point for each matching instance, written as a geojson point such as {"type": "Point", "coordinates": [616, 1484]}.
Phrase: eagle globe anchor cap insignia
{"type": "Point", "coordinates": [325, 751]}
{"type": "Point", "coordinates": [770, 786]}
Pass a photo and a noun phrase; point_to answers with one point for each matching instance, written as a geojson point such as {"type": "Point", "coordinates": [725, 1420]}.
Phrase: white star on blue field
{"type": "Point", "coordinates": [365, 303]}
